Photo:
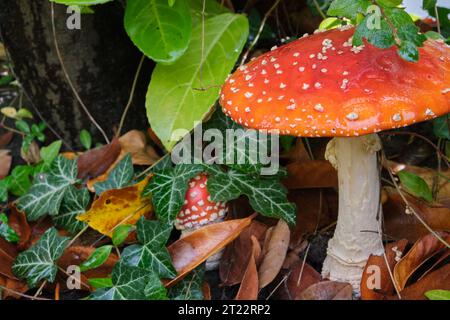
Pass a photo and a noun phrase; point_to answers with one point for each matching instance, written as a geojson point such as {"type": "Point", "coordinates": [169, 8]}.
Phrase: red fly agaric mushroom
{"type": "Point", "coordinates": [322, 86]}
{"type": "Point", "coordinates": [198, 210]}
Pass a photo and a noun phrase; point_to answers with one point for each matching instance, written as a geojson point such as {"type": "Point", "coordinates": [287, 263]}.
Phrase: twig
{"type": "Point", "coordinates": [77, 236]}
{"type": "Point", "coordinates": [130, 99]}
{"type": "Point", "coordinates": [261, 28]}
{"type": "Point", "coordinates": [319, 9]}
{"type": "Point", "coordinates": [412, 209]}
{"type": "Point", "coordinates": [69, 81]}
{"type": "Point", "coordinates": [22, 294]}
{"type": "Point", "coordinates": [39, 291]}
{"type": "Point", "coordinates": [438, 23]}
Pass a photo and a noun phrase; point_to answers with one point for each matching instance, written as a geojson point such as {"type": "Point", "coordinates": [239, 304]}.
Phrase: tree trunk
{"type": "Point", "coordinates": [100, 60]}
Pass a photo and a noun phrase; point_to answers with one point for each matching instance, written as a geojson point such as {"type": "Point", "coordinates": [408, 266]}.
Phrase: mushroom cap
{"type": "Point", "coordinates": [322, 86]}
{"type": "Point", "coordinates": [198, 209]}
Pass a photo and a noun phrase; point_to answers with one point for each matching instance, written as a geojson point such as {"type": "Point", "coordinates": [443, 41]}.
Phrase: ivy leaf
{"type": "Point", "coordinates": [97, 258]}
{"type": "Point", "coordinates": [155, 290]}
{"type": "Point", "coordinates": [48, 190]}
{"type": "Point", "coordinates": [380, 37]}
{"type": "Point", "coordinates": [168, 188]}
{"type": "Point", "coordinates": [267, 195]}
{"type": "Point", "coordinates": [441, 127]}
{"type": "Point", "coordinates": [190, 288]}
{"type": "Point", "coordinates": [348, 8]}
{"type": "Point", "coordinates": [241, 153]}
{"type": "Point", "coordinates": [119, 177]}
{"type": "Point", "coordinates": [6, 232]}
{"type": "Point", "coordinates": [4, 190]}
{"type": "Point", "coordinates": [19, 181]}
{"type": "Point", "coordinates": [74, 203]}
{"type": "Point", "coordinates": [161, 31]}
{"type": "Point", "coordinates": [408, 51]}
{"type": "Point", "coordinates": [38, 262]}
{"type": "Point", "coordinates": [151, 254]}
{"type": "Point", "coordinates": [128, 284]}
{"type": "Point", "coordinates": [174, 103]}
{"type": "Point", "coordinates": [416, 185]}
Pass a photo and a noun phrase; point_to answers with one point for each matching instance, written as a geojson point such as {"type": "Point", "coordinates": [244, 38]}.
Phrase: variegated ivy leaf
{"type": "Point", "coordinates": [74, 203]}
{"type": "Point", "coordinates": [129, 283]}
{"type": "Point", "coordinates": [168, 188]}
{"type": "Point", "coordinates": [39, 262]}
{"type": "Point", "coordinates": [154, 290]}
{"type": "Point", "coordinates": [190, 288]}
{"type": "Point", "coordinates": [151, 254]}
{"type": "Point", "coordinates": [48, 189]}
{"type": "Point", "coordinates": [266, 194]}
{"type": "Point", "coordinates": [118, 178]}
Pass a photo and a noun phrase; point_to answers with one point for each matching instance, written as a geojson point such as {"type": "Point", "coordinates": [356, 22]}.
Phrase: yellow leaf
{"type": "Point", "coordinates": [9, 112]}
{"type": "Point", "coordinates": [117, 206]}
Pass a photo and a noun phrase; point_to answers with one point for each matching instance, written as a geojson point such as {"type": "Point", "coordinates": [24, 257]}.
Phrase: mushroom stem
{"type": "Point", "coordinates": [357, 231]}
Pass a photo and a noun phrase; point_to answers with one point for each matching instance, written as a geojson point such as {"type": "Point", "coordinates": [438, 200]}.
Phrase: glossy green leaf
{"type": "Point", "coordinates": [161, 31]}
{"type": "Point", "coordinates": [175, 98]}
{"type": "Point", "coordinates": [86, 139]}
{"type": "Point", "coordinates": [330, 23]}
{"type": "Point", "coordinates": [438, 295]}
{"type": "Point", "coordinates": [80, 2]}
{"type": "Point", "coordinates": [348, 8]}
{"type": "Point", "coordinates": [441, 127]}
{"type": "Point", "coordinates": [19, 181]}
{"type": "Point", "coordinates": [409, 51]}
{"type": "Point", "coordinates": [121, 233]}
{"type": "Point", "coordinates": [97, 258]}
{"type": "Point", "coordinates": [415, 185]}
{"type": "Point", "coordinates": [50, 152]}
{"type": "Point", "coordinates": [389, 3]}
{"type": "Point", "coordinates": [429, 4]}
{"type": "Point", "coordinates": [39, 262]}
{"type": "Point", "coordinates": [99, 283]}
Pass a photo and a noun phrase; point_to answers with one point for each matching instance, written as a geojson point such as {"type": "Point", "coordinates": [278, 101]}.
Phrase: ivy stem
{"type": "Point", "coordinates": [319, 9]}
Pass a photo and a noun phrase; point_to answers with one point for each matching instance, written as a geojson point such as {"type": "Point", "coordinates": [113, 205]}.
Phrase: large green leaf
{"type": "Point", "coordinates": [74, 203]}
{"type": "Point", "coordinates": [80, 2]}
{"type": "Point", "coordinates": [175, 98]}
{"type": "Point", "coordinates": [129, 283]}
{"type": "Point", "coordinates": [38, 262]}
{"type": "Point", "coordinates": [212, 8]}
{"type": "Point", "coordinates": [415, 184]}
{"type": "Point", "coordinates": [151, 254]}
{"type": "Point", "coordinates": [168, 188]}
{"type": "Point", "coordinates": [48, 190]}
{"type": "Point", "coordinates": [159, 30]}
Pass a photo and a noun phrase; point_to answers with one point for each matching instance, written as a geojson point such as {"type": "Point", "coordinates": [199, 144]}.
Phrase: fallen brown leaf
{"type": "Point", "coordinates": [439, 279]}
{"type": "Point", "coordinates": [238, 253]}
{"type": "Point", "coordinates": [18, 222]}
{"type": "Point", "coordinates": [328, 290]}
{"type": "Point", "coordinates": [8, 254]}
{"type": "Point", "coordinates": [135, 143]}
{"type": "Point", "coordinates": [274, 254]}
{"type": "Point", "coordinates": [97, 161]}
{"type": "Point", "coordinates": [398, 224]}
{"type": "Point", "coordinates": [423, 249]}
{"type": "Point", "coordinates": [311, 174]}
{"type": "Point", "coordinates": [193, 249]}
{"type": "Point", "coordinates": [12, 288]}
{"type": "Point", "coordinates": [5, 163]}
{"type": "Point", "coordinates": [369, 291]}
{"type": "Point", "coordinates": [250, 284]}
{"type": "Point", "coordinates": [5, 138]}
{"type": "Point", "coordinates": [301, 276]}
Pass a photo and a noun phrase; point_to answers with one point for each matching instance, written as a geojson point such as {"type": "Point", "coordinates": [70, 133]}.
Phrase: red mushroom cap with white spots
{"type": "Point", "coordinates": [198, 209]}
{"type": "Point", "coordinates": [321, 85]}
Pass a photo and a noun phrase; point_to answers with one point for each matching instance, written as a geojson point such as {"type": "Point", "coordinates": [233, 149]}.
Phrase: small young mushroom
{"type": "Point", "coordinates": [328, 88]}
{"type": "Point", "coordinates": [198, 210]}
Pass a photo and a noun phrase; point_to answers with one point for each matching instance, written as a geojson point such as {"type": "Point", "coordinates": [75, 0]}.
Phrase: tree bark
{"type": "Point", "coordinates": [100, 60]}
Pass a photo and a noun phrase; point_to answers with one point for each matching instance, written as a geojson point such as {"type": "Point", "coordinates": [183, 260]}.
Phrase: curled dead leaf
{"type": "Point", "coordinates": [117, 206]}
{"type": "Point", "coordinates": [97, 161]}
{"type": "Point", "coordinates": [376, 281]}
{"type": "Point", "coordinates": [274, 253]}
{"type": "Point", "coordinates": [19, 223]}
{"type": "Point", "coordinates": [328, 290]}
{"type": "Point", "coordinates": [423, 249]}
{"type": "Point", "coordinates": [250, 284]}
{"type": "Point", "coordinates": [193, 249]}
{"type": "Point", "coordinates": [301, 276]}
{"type": "Point", "coordinates": [134, 142]}
{"type": "Point", "coordinates": [5, 163]}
